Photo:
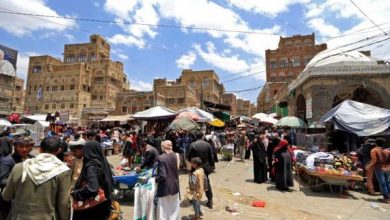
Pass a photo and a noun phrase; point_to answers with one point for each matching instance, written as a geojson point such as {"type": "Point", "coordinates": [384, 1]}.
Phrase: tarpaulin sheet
{"type": "Point", "coordinates": [359, 118]}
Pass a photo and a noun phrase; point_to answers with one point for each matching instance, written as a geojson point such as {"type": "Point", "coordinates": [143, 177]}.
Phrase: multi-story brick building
{"type": "Point", "coordinates": [19, 93]}
{"type": "Point", "coordinates": [230, 99]}
{"type": "Point", "coordinates": [284, 64]}
{"type": "Point", "coordinates": [205, 83]}
{"type": "Point", "coordinates": [135, 101]}
{"type": "Point", "coordinates": [86, 79]}
{"type": "Point", "coordinates": [7, 83]}
{"type": "Point", "coordinates": [253, 109]}
{"type": "Point", "coordinates": [177, 95]}
{"type": "Point", "coordinates": [243, 108]}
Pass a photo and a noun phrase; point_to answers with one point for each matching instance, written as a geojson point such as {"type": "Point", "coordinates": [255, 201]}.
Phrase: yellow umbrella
{"type": "Point", "coordinates": [217, 123]}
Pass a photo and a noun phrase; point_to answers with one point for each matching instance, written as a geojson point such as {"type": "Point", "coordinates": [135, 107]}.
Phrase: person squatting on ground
{"type": "Point", "coordinates": [196, 182]}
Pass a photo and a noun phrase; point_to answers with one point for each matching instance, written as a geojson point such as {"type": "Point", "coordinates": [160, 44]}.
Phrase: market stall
{"type": "Point", "coordinates": [330, 169]}
{"type": "Point", "coordinates": [38, 131]}
{"type": "Point", "coordinates": [352, 121]}
{"type": "Point", "coordinates": [359, 118]}
{"type": "Point", "coordinates": [157, 117]}
{"type": "Point", "coordinates": [203, 116]}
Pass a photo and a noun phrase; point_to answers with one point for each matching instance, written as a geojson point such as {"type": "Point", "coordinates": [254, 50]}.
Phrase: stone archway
{"type": "Point", "coordinates": [361, 94]}
{"type": "Point", "coordinates": [368, 92]}
{"type": "Point", "coordinates": [301, 107]}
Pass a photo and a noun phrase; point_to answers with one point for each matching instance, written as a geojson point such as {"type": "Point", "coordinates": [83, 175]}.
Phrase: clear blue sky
{"type": "Point", "coordinates": [149, 51]}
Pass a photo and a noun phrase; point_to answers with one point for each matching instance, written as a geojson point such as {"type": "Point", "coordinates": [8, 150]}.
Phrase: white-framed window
{"type": "Point", "coordinates": [296, 62]}
{"type": "Point", "coordinates": [37, 69]}
{"type": "Point", "coordinates": [273, 64]}
{"type": "Point", "coordinates": [283, 63]}
{"type": "Point", "coordinates": [70, 58]}
{"type": "Point", "coordinates": [83, 57]}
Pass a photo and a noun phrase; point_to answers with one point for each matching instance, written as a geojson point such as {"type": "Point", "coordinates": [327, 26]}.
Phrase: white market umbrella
{"type": "Point", "coordinates": [264, 118]}
{"type": "Point", "coordinates": [292, 122]}
{"type": "Point", "coordinates": [5, 122]}
{"type": "Point", "coordinates": [155, 113]}
{"type": "Point", "coordinates": [259, 116]}
{"type": "Point", "coordinates": [269, 120]}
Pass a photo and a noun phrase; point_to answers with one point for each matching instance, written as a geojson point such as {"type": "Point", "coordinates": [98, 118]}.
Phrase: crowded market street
{"type": "Point", "coordinates": [234, 176]}
{"type": "Point", "coordinates": [196, 109]}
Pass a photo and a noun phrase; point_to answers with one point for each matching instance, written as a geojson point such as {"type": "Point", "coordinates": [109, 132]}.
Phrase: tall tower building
{"type": "Point", "coordinates": [283, 65]}
{"type": "Point", "coordinates": [86, 79]}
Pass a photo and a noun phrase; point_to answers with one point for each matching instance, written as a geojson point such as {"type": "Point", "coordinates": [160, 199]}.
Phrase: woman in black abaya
{"type": "Point", "coordinates": [95, 174]}
{"type": "Point", "coordinates": [282, 165]}
{"type": "Point", "coordinates": [259, 161]}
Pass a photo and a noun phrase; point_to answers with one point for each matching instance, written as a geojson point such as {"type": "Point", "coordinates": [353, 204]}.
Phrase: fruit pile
{"type": "Point", "coordinates": [345, 163]}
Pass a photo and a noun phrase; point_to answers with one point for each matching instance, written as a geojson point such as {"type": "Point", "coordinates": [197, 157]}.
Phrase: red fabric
{"type": "Point", "coordinates": [134, 142]}
{"type": "Point", "coordinates": [258, 204]}
{"type": "Point", "coordinates": [282, 143]}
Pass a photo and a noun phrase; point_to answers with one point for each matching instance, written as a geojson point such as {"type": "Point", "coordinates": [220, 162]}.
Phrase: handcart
{"type": "Point", "coordinates": [316, 180]}
{"type": "Point", "coordinates": [125, 183]}
{"type": "Point", "coordinates": [227, 152]}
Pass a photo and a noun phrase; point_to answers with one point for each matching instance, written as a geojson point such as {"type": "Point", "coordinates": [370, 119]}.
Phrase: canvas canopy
{"type": "Point", "coordinates": [184, 124]}
{"type": "Point", "coordinates": [203, 115]}
{"type": "Point", "coordinates": [39, 117]}
{"type": "Point", "coordinates": [120, 118]}
{"type": "Point", "coordinates": [155, 113]}
{"type": "Point", "coordinates": [359, 118]}
{"type": "Point", "coordinates": [40, 126]}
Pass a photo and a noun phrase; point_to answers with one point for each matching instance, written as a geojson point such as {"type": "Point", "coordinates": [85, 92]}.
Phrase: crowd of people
{"type": "Point", "coordinates": [71, 178]}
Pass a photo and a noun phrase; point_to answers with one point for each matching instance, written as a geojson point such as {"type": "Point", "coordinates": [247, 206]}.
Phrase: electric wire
{"type": "Point", "coordinates": [140, 24]}
{"type": "Point", "coordinates": [367, 16]}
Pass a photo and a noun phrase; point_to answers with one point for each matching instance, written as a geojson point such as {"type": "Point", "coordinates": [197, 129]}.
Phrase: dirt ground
{"type": "Point", "coordinates": [236, 177]}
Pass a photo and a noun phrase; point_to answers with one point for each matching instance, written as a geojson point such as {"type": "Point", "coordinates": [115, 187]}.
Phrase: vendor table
{"type": "Point", "coordinates": [317, 179]}
{"type": "Point", "coordinates": [125, 183]}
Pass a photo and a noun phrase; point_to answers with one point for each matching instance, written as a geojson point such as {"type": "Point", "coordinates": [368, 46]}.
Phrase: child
{"type": "Point", "coordinates": [196, 185]}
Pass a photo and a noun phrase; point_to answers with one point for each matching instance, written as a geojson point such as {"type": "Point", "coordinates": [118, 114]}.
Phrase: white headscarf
{"type": "Point", "coordinates": [42, 168]}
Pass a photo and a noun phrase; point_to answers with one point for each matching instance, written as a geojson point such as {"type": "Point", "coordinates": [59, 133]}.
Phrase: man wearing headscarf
{"type": "Point", "coordinates": [77, 164]}
{"type": "Point", "coordinates": [95, 174]}
{"type": "Point", "coordinates": [22, 148]}
{"type": "Point", "coordinates": [168, 205]}
{"type": "Point", "coordinates": [39, 187]}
